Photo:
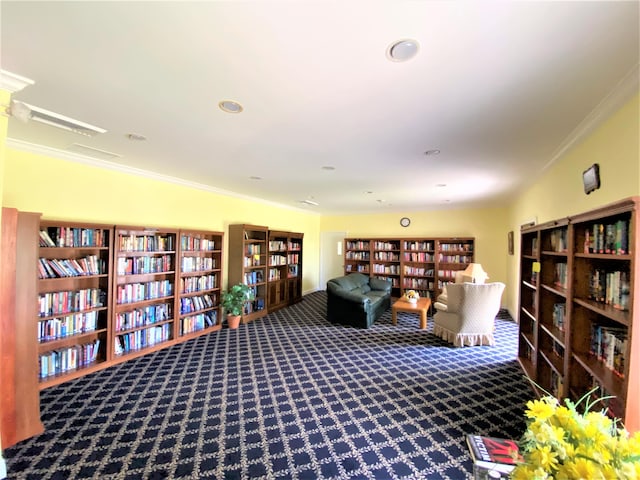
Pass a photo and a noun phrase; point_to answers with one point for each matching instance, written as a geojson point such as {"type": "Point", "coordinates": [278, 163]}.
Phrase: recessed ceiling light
{"type": "Point", "coordinates": [432, 152]}
{"type": "Point", "coordinates": [255, 177]}
{"type": "Point", "coordinates": [309, 202]}
{"type": "Point", "coordinates": [328, 167]}
{"type": "Point", "coordinates": [402, 50]}
{"type": "Point", "coordinates": [440, 185]}
{"type": "Point", "coordinates": [368, 192]}
{"type": "Point", "coordinates": [230, 106]}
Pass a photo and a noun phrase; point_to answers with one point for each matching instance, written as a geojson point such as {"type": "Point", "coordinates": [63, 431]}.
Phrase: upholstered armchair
{"type": "Point", "coordinates": [467, 319]}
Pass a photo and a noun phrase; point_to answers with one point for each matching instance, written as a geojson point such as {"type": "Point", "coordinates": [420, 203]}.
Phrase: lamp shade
{"type": "Point", "coordinates": [476, 272]}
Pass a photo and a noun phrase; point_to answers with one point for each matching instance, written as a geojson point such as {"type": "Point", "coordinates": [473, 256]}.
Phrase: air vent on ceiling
{"type": "Point", "coordinates": [26, 112]}
{"type": "Point", "coordinates": [92, 152]}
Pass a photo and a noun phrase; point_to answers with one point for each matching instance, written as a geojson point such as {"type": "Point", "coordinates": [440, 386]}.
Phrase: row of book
{"type": "Point", "coordinates": [70, 267]}
{"type": "Point", "coordinates": [457, 247]}
{"type": "Point", "coordinates": [141, 317]}
{"type": "Point", "coordinates": [379, 245]}
{"type": "Point", "coordinates": [198, 322]}
{"type": "Point", "coordinates": [73, 237]}
{"type": "Point", "coordinates": [194, 244]}
{"type": "Point", "coordinates": [197, 264]}
{"type": "Point", "coordinates": [417, 284]}
{"type": "Point", "coordinates": [447, 274]}
{"type": "Point", "coordinates": [253, 277]}
{"type": "Point", "coordinates": [609, 346]}
{"type": "Point", "coordinates": [560, 275]}
{"type": "Point", "coordinates": [130, 342]}
{"type": "Point", "coordinates": [274, 274]}
{"type": "Point", "coordinates": [558, 315]}
{"type": "Point", "coordinates": [256, 305]}
{"type": "Point", "coordinates": [395, 281]}
{"type": "Point", "coordinates": [610, 288]}
{"type": "Point", "coordinates": [386, 257]}
{"type": "Point", "coordinates": [362, 256]}
{"type": "Point", "coordinates": [144, 265]}
{"type": "Point", "coordinates": [454, 258]}
{"type": "Point", "coordinates": [146, 243]}
{"type": "Point", "coordinates": [277, 246]}
{"type": "Point", "coordinates": [199, 302]}
{"type": "Point", "coordinates": [418, 246]}
{"type": "Point", "coordinates": [387, 269]}
{"type": "Point", "coordinates": [138, 292]}
{"type": "Point", "coordinates": [357, 268]}
{"type": "Point", "coordinates": [293, 258]}
{"type": "Point", "coordinates": [275, 260]}
{"type": "Point", "coordinates": [57, 362]}
{"type": "Point", "coordinates": [252, 261]}
{"type": "Point", "coordinates": [253, 249]}
{"type": "Point", "coordinates": [357, 245]}
{"type": "Point", "coordinates": [612, 238]}
{"type": "Point", "coordinates": [74, 324]}
{"type": "Point", "coordinates": [418, 271]}
{"type": "Point", "coordinates": [420, 257]}
{"type": "Point", "coordinates": [611, 403]}
{"type": "Point", "coordinates": [558, 240]}
{"type": "Point", "coordinates": [295, 246]}
{"type": "Point", "coordinates": [198, 284]}
{"type": "Point", "coordinates": [68, 301]}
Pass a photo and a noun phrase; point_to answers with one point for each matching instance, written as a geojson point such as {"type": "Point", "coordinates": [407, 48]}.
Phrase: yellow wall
{"type": "Point", "coordinates": [615, 146]}
{"type": "Point", "coordinates": [488, 226]}
{"type": "Point", "coordinates": [64, 190]}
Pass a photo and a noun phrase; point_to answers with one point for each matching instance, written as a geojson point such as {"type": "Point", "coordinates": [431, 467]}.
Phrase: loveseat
{"type": "Point", "coordinates": [357, 300]}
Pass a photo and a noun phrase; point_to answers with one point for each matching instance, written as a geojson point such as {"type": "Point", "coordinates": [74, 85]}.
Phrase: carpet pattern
{"type": "Point", "coordinates": [286, 397]}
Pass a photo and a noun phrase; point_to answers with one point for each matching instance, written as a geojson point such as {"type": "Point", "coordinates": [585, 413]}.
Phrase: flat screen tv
{"type": "Point", "coordinates": [591, 178]}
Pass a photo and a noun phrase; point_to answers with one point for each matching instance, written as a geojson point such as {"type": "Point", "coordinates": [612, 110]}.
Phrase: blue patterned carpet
{"type": "Point", "coordinates": [286, 397]}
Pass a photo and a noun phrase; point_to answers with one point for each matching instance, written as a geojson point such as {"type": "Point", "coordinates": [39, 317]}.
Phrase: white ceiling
{"type": "Point", "coordinates": [498, 87]}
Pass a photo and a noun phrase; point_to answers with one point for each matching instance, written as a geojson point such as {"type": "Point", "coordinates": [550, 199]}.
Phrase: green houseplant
{"type": "Point", "coordinates": [233, 301]}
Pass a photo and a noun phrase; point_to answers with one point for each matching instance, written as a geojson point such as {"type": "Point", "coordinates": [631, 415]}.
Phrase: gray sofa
{"type": "Point", "coordinates": [357, 299]}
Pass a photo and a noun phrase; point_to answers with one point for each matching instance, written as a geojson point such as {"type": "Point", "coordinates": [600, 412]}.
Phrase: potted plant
{"type": "Point", "coordinates": [233, 301]}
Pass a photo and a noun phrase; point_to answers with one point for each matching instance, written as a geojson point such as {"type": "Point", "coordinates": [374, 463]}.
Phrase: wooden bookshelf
{"type": "Point", "coordinates": [577, 314]}
{"type": "Point", "coordinates": [422, 264]}
{"type": "Point", "coordinates": [201, 262]}
{"type": "Point", "coordinates": [248, 250]}
{"type": "Point", "coordinates": [284, 273]}
{"type": "Point", "coordinates": [144, 290]}
{"type": "Point", "coordinates": [74, 295]}
{"type": "Point", "coordinates": [20, 399]}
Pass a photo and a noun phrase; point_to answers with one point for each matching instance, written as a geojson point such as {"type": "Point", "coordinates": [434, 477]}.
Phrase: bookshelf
{"type": "Point", "coordinates": [422, 264]}
{"type": "Point", "coordinates": [74, 292]}
{"type": "Point", "coordinates": [577, 314]}
{"type": "Point", "coordinates": [248, 250]}
{"type": "Point", "coordinates": [201, 261]}
{"type": "Point", "coordinates": [20, 399]}
{"type": "Point", "coordinates": [144, 290]}
{"type": "Point", "coordinates": [284, 273]}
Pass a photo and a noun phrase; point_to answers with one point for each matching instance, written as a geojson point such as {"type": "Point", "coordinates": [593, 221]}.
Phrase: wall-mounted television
{"type": "Point", "coordinates": [591, 178]}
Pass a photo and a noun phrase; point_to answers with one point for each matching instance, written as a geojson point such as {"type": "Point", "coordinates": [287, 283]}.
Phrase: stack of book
{"type": "Point", "coordinates": [493, 458]}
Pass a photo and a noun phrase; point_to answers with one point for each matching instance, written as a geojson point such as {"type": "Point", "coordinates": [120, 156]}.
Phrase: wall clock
{"type": "Point", "coordinates": [405, 221]}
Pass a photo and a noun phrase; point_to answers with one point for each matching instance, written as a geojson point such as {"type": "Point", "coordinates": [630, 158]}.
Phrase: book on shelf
{"type": "Point", "coordinates": [492, 457]}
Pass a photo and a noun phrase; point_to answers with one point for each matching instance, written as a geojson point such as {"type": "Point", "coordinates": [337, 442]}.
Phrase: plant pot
{"type": "Point", "coordinates": [233, 320]}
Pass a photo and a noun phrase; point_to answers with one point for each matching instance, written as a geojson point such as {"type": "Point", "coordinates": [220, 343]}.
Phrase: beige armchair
{"type": "Point", "coordinates": [467, 319]}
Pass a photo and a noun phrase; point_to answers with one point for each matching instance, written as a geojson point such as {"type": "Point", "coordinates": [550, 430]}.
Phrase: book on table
{"type": "Point", "coordinates": [492, 457]}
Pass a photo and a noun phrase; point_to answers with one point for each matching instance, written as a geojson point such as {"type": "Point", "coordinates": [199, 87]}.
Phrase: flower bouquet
{"type": "Point", "coordinates": [411, 296]}
{"type": "Point", "coordinates": [562, 443]}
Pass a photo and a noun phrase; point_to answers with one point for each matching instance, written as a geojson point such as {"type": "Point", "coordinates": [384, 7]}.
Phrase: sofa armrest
{"type": "Point", "coordinates": [440, 306]}
{"type": "Point", "coordinates": [380, 284]}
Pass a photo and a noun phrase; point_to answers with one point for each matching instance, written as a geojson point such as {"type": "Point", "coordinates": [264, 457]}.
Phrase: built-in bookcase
{"type": "Point", "coordinates": [578, 307]}
{"type": "Point", "coordinates": [144, 289]}
{"type": "Point", "coordinates": [294, 267]}
{"type": "Point", "coordinates": [248, 263]}
{"type": "Point", "coordinates": [200, 275]}
{"type": "Point", "coordinates": [74, 294]}
{"type": "Point", "coordinates": [421, 264]}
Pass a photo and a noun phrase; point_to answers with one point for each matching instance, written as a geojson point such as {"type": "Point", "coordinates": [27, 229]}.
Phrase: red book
{"type": "Point", "coordinates": [493, 454]}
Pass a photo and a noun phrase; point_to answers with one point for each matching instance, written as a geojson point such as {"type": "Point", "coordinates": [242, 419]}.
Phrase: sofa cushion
{"type": "Point", "coordinates": [346, 283]}
{"type": "Point", "coordinates": [365, 289]}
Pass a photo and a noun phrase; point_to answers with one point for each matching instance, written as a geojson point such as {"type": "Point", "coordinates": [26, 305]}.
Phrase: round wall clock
{"type": "Point", "coordinates": [405, 221]}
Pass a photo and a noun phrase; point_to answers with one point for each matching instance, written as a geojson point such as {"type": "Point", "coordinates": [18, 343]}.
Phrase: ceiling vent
{"type": "Point", "coordinates": [92, 152]}
{"type": "Point", "coordinates": [25, 112]}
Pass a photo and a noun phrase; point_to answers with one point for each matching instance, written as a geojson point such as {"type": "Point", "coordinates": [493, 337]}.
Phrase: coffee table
{"type": "Point", "coordinates": [421, 307]}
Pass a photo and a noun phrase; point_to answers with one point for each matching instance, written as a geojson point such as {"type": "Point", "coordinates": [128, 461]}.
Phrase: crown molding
{"type": "Point", "coordinates": [13, 83]}
{"type": "Point", "coordinates": [107, 165]}
{"type": "Point", "coordinates": [628, 86]}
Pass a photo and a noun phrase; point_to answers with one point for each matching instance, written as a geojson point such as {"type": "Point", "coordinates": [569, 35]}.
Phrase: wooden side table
{"type": "Point", "coordinates": [421, 307]}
